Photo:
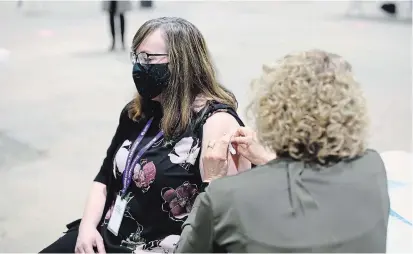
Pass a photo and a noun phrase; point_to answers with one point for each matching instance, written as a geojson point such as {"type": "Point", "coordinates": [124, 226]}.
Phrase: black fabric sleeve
{"type": "Point", "coordinates": [212, 108]}
{"type": "Point", "coordinates": [105, 174]}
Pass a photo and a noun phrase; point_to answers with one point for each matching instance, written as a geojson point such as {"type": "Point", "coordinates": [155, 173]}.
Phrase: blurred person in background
{"type": "Point", "coordinates": [324, 191]}
{"type": "Point", "coordinates": [19, 3]}
{"type": "Point", "coordinates": [145, 3]}
{"type": "Point", "coordinates": [392, 9]}
{"type": "Point", "coordinates": [117, 8]}
{"type": "Point", "coordinates": [151, 174]}
{"type": "Point", "coordinates": [389, 8]}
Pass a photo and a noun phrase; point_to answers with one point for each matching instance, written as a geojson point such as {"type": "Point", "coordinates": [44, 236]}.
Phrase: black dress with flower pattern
{"type": "Point", "coordinates": [163, 191]}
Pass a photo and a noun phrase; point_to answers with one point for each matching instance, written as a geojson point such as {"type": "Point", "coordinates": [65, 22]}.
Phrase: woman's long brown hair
{"type": "Point", "coordinates": [192, 73]}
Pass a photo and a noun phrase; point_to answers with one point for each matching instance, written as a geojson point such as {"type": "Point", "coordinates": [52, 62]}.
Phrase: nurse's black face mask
{"type": "Point", "coordinates": [150, 79]}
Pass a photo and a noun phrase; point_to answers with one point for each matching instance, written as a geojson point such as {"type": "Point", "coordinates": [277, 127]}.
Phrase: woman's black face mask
{"type": "Point", "coordinates": [150, 79]}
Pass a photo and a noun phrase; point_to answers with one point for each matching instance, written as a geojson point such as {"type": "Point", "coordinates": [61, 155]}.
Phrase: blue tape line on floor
{"type": "Point", "coordinates": [397, 184]}
{"type": "Point", "coordinates": [399, 217]}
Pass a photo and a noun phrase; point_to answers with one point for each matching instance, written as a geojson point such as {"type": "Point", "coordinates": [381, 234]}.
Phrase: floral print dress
{"type": "Point", "coordinates": [163, 191]}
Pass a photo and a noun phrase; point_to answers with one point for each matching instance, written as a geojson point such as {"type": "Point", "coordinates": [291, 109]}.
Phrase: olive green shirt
{"type": "Point", "coordinates": [287, 206]}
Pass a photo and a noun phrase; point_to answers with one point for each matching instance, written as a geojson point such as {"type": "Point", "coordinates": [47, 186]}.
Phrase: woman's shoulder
{"type": "Point", "coordinates": [126, 117]}
{"type": "Point", "coordinates": [205, 108]}
{"type": "Point", "coordinates": [204, 103]}
{"type": "Point", "coordinates": [125, 112]}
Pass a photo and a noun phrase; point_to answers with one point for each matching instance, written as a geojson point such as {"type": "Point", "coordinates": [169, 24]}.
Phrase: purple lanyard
{"type": "Point", "coordinates": [130, 164]}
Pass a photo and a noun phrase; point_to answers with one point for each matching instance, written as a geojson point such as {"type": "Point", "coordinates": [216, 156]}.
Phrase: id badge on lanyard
{"type": "Point", "coordinates": [121, 202]}
{"type": "Point", "coordinates": [117, 215]}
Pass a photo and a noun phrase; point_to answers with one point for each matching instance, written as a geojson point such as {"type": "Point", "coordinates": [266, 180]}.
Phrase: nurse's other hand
{"type": "Point", "coordinates": [215, 159]}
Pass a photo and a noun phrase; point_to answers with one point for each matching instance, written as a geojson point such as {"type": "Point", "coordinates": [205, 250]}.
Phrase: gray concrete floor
{"type": "Point", "coordinates": [61, 91]}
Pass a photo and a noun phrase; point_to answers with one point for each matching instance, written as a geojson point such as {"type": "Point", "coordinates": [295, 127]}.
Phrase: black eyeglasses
{"type": "Point", "coordinates": [142, 57]}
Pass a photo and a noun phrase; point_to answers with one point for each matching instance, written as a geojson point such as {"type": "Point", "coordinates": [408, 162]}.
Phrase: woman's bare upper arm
{"type": "Point", "coordinates": [214, 128]}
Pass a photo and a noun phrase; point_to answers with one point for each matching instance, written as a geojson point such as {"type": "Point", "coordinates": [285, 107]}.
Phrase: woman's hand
{"type": "Point", "coordinates": [246, 144]}
{"type": "Point", "coordinates": [215, 159]}
{"type": "Point", "coordinates": [88, 239]}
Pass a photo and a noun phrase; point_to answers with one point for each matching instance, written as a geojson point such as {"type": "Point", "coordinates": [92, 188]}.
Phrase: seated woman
{"type": "Point", "coordinates": [151, 174]}
{"type": "Point", "coordinates": [325, 192]}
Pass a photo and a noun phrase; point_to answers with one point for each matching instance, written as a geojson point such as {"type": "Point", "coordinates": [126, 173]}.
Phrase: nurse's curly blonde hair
{"type": "Point", "coordinates": [310, 108]}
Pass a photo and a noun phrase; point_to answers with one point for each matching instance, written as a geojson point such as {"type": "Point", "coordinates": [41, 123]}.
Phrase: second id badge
{"type": "Point", "coordinates": [117, 215]}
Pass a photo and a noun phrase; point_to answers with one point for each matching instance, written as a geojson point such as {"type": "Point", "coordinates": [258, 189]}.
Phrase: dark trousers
{"type": "Point", "coordinates": [65, 244]}
{"type": "Point", "coordinates": [112, 14]}
{"type": "Point", "coordinates": [113, 27]}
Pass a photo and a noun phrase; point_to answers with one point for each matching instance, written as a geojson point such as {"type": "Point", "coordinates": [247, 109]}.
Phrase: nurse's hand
{"type": "Point", "coordinates": [246, 144]}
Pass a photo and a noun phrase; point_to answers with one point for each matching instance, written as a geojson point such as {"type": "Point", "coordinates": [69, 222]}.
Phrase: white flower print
{"type": "Point", "coordinates": [193, 155]}
{"type": "Point", "coordinates": [121, 156]}
{"type": "Point", "coordinates": [185, 152]}
{"type": "Point", "coordinates": [166, 245]}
